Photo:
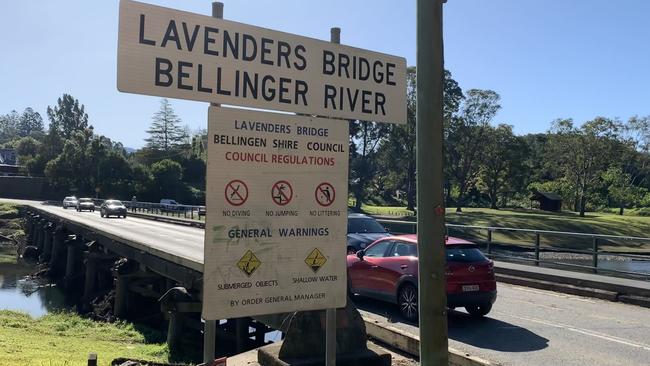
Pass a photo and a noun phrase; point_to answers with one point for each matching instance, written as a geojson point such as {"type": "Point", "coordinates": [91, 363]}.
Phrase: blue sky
{"type": "Point", "coordinates": [546, 58]}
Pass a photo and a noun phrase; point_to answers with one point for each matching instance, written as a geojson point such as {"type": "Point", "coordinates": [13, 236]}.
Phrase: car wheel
{"type": "Point", "coordinates": [478, 310]}
{"type": "Point", "coordinates": [65, 208]}
{"type": "Point", "coordinates": [407, 299]}
{"type": "Point", "coordinates": [101, 213]}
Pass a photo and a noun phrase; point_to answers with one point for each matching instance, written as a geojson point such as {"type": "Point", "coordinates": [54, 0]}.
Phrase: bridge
{"type": "Point", "coordinates": [527, 325]}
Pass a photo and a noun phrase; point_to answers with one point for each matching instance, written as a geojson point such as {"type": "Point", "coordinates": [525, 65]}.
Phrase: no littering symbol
{"type": "Point", "coordinates": [281, 193]}
{"type": "Point", "coordinates": [236, 192]}
{"type": "Point", "coordinates": [325, 194]}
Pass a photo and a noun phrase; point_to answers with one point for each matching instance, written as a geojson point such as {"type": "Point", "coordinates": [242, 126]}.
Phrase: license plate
{"type": "Point", "coordinates": [468, 288]}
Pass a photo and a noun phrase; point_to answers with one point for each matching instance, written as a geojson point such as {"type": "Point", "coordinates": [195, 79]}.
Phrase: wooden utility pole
{"type": "Point", "coordinates": [430, 209]}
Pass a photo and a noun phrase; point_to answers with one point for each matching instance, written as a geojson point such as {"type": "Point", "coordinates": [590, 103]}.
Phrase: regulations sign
{"type": "Point", "coordinates": [170, 53]}
{"type": "Point", "coordinates": [275, 238]}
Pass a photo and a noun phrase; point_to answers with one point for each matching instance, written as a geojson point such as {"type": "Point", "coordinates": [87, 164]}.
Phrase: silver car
{"type": "Point", "coordinates": [86, 204]}
{"type": "Point", "coordinates": [70, 201]}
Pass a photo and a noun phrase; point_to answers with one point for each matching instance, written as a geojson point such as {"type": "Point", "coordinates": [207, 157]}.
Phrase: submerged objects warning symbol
{"type": "Point", "coordinates": [236, 192]}
{"type": "Point", "coordinates": [248, 263]}
{"type": "Point", "coordinates": [325, 194]}
{"type": "Point", "coordinates": [281, 193]}
{"type": "Point", "coordinates": [315, 260]}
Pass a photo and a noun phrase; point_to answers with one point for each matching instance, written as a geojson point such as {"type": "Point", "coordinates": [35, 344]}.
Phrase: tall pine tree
{"type": "Point", "coordinates": [165, 132]}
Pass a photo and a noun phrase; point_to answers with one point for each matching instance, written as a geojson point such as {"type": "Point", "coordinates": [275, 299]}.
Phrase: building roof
{"type": "Point", "coordinates": [548, 195]}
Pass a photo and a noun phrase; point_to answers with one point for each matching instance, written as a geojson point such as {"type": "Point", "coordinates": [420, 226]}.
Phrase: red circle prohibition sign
{"type": "Point", "coordinates": [325, 194]}
{"type": "Point", "coordinates": [236, 192]}
{"type": "Point", "coordinates": [281, 193]}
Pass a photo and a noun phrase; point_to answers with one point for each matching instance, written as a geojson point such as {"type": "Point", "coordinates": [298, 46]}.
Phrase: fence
{"type": "Point", "coordinates": [186, 211]}
{"type": "Point", "coordinates": [523, 241]}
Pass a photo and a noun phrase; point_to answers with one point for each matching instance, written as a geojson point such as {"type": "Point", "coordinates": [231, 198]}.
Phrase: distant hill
{"type": "Point", "coordinates": [130, 150]}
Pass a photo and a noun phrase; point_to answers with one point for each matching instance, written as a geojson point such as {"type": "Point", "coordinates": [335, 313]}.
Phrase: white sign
{"type": "Point", "coordinates": [276, 195]}
{"type": "Point", "coordinates": [170, 53]}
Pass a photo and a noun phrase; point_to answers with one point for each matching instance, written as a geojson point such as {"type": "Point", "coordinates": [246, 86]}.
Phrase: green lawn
{"type": "Point", "coordinates": [67, 339]}
{"type": "Point", "coordinates": [592, 223]}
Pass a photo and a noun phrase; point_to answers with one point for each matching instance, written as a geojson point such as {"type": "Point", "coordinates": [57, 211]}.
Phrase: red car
{"type": "Point", "coordinates": [388, 270]}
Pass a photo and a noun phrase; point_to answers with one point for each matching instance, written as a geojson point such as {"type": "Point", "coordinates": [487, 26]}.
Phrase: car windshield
{"type": "Point", "coordinates": [364, 225]}
{"type": "Point", "coordinates": [114, 202]}
{"type": "Point", "coordinates": [464, 254]}
{"type": "Point", "coordinates": [85, 200]}
{"type": "Point", "coordinates": [70, 199]}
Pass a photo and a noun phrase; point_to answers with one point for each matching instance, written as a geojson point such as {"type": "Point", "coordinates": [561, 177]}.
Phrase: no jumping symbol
{"type": "Point", "coordinates": [325, 194]}
{"type": "Point", "coordinates": [281, 193]}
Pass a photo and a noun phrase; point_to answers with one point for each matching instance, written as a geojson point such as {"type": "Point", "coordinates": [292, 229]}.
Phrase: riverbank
{"type": "Point", "coordinates": [36, 328]}
{"type": "Point", "coordinates": [67, 339]}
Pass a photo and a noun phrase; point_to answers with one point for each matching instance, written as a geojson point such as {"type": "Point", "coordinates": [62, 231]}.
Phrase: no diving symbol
{"type": "Point", "coordinates": [325, 194]}
{"type": "Point", "coordinates": [281, 193]}
{"type": "Point", "coordinates": [236, 192]}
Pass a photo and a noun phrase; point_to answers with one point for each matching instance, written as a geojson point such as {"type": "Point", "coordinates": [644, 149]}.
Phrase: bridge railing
{"type": "Point", "coordinates": [569, 249]}
{"type": "Point", "coordinates": [192, 212]}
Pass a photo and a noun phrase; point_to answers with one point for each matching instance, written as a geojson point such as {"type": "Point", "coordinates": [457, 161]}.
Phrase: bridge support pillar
{"type": "Point", "coordinates": [174, 329]}
{"type": "Point", "coordinates": [175, 304]}
{"type": "Point", "coordinates": [72, 262]}
{"type": "Point", "coordinates": [38, 234]}
{"type": "Point", "coordinates": [29, 226]}
{"type": "Point", "coordinates": [89, 278]}
{"type": "Point", "coordinates": [57, 259]}
{"type": "Point", "coordinates": [241, 333]}
{"type": "Point", "coordinates": [47, 242]}
{"type": "Point", "coordinates": [120, 307]}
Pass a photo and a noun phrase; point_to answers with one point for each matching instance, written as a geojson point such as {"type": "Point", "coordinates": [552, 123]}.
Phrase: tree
{"type": "Point", "coordinates": [165, 132]}
{"type": "Point", "coordinates": [167, 178]}
{"type": "Point", "coordinates": [67, 117]}
{"type": "Point", "coordinates": [582, 154]}
{"type": "Point", "coordinates": [621, 187]}
{"type": "Point", "coordinates": [365, 137]}
{"type": "Point", "coordinates": [502, 160]}
{"type": "Point", "coordinates": [8, 126]}
{"type": "Point", "coordinates": [401, 142]}
{"type": "Point", "coordinates": [465, 139]}
{"type": "Point", "coordinates": [30, 122]}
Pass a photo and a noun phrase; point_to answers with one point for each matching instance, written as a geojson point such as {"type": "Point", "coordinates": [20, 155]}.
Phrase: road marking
{"type": "Point", "coordinates": [538, 304]}
{"type": "Point", "coordinates": [591, 333]}
{"type": "Point", "coordinates": [551, 293]}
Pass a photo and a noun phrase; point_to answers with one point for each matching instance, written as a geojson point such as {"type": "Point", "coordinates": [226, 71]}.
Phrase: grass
{"type": "Point", "coordinates": [592, 223]}
{"type": "Point", "coordinates": [8, 254]}
{"type": "Point", "coordinates": [66, 339]}
{"type": "Point", "coordinates": [10, 227]}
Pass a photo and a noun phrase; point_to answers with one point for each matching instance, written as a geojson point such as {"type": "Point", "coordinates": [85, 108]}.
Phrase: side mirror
{"type": "Point", "coordinates": [360, 254]}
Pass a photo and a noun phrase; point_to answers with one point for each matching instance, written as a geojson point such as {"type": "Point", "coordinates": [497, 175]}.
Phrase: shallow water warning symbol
{"type": "Point", "coordinates": [281, 193]}
{"type": "Point", "coordinates": [249, 263]}
{"type": "Point", "coordinates": [236, 192]}
{"type": "Point", "coordinates": [315, 260]}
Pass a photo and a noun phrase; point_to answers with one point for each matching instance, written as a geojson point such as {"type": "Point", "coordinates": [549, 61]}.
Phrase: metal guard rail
{"type": "Point", "coordinates": [594, 251]}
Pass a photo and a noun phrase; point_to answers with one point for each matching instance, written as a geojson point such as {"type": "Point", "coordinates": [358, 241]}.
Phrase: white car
{"type": "Point", "coordinates": [70, 201]}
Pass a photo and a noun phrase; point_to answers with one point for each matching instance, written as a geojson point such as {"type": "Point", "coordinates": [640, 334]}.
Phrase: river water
{"type": "Point", "coordinates": [20, 292]}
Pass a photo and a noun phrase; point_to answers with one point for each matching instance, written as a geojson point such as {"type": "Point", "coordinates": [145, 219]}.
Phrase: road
{"type": "Point", "coordinates": [526, 326]}
{"type": "Point", "coordinates": [536, 327]}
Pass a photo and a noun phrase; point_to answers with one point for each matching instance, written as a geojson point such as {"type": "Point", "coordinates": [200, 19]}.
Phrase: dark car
{"type": "Point", "coordinates": [363, 230]}
{"type": "Point", "coordinates": [388, 270]}
{"type": "Point", "coordinates": [112, 207]}
{"type": "Point", "coordinates": [85, 204]}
